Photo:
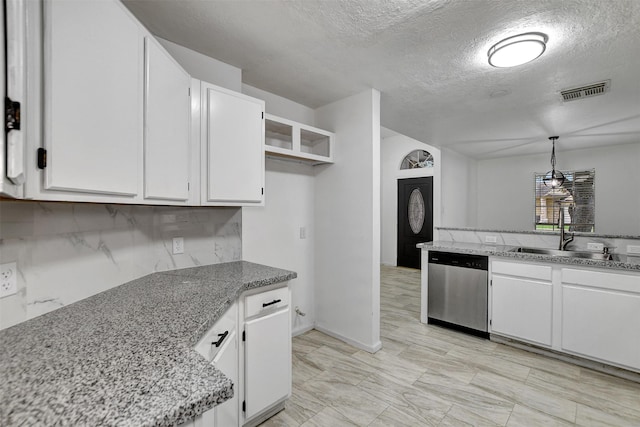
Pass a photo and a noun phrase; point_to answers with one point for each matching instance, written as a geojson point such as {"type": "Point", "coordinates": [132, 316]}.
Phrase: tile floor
{"type": "Point", "coordinates": [430, 376]}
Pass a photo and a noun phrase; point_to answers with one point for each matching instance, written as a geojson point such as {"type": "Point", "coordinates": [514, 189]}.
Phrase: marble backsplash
{"type": "Point", "coordinates": [69, 251]}
{"type": "Point", "coordinates": [616, 244]}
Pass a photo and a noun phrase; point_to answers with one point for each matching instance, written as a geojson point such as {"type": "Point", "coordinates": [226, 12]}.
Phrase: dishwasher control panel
{"type": "Point", "coordinates": [477, 262]}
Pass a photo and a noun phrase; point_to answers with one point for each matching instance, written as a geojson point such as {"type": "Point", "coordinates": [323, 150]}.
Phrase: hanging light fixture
{"type": "Point", "coordinates": [553, 178]}
{"type": "Point", "coordinates": [517, 50]}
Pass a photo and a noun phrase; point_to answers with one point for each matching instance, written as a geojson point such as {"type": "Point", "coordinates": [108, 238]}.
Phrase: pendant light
{"type": "Point", "coordinates": [553, 178]}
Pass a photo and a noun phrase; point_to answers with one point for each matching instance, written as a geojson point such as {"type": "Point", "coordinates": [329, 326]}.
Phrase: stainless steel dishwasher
{"type": "Point", "coordinates": [458, 291]}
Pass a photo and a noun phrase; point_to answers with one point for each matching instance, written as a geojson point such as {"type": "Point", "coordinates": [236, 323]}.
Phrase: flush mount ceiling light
{"type": "Point", "coordinates": [553, 178]}
{"type": "Point", "coordinates": [517, 50]}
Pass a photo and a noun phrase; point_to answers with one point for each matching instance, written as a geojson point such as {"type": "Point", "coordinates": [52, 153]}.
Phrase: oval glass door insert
{"type": "Point", "coordinates": [416, 211]}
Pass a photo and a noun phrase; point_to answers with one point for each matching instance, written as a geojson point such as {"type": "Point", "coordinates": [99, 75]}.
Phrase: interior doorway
{"type": "Point", "coordinates": [415, 218]}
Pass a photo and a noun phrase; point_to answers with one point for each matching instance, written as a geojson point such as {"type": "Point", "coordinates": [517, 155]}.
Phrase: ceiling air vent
{"type": "Point", "coordinates": [586, 91]}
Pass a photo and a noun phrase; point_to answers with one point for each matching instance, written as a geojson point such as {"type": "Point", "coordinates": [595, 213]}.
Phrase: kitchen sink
{"type": "Point", "coordinates": [570, 254]}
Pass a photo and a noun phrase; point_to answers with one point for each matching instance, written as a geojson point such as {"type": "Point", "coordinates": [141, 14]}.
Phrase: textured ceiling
{"type": "Point", "coordinates": [428, 59]}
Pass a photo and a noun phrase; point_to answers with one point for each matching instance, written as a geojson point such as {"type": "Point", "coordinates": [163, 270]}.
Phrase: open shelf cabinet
{"type": "Point", "coordinates": [293, 140]}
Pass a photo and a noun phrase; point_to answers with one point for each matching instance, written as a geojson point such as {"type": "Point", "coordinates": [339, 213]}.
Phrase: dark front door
{"type": "Point", "coordinates": [415, 218]}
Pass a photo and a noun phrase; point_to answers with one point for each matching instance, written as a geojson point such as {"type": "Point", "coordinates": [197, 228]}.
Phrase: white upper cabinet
{"type": "Point", "coordinates": [167, 126]}
{"type": "Point", "coordinates": [232, 132]}
{"type": "Point", "coordinates": [118, 121]}
{"type": "Point", "coordinates": [93, 98]}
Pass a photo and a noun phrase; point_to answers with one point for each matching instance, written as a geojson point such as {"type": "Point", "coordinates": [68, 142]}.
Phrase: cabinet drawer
{"type": "Point", "coordinates": [530, 271]}
{"type": "Point", "coordinates": [266, 301]}
{"type": "Point", "coordinates": [220, 333]}
{"type": "Point", "coordinates": [628, 282]}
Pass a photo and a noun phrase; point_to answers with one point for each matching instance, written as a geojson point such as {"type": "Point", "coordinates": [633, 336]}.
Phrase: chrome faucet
{"type": "Point", "coordinates": [563, 241]}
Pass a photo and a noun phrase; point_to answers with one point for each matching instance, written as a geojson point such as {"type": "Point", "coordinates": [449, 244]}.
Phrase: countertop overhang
{"type": "Point", "coordinates": [629, 263]}
{"type": "Point", "coordinates": [125, 356]}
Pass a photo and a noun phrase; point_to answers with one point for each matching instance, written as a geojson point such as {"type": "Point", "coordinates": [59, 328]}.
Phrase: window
{"type": "Point", "coordinates": [417, 159]}
{"type": "Point", "coordinates": [575, 199]}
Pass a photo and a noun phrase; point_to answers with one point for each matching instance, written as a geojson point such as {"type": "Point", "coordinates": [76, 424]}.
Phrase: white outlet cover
{"type": "Point", "coordinates": [178, 245]}
{"type": "Point", "coordinates": [8, 279]}
{"type": "Point", "coordinates": [595, 246]}
{"type": "Point", "coordinates": [490, 239]}
{"type": "Point", "coordinates": [633, 249]}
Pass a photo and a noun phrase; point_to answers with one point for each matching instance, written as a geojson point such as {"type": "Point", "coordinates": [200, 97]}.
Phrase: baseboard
{"type": "Point", "coordinates": [302, 330]}
{"type": "Point", "coordinates": [368, 348]}
{"type": "Point", "coordinates": [570, 358]}
{"type": "Point", "coordinates": [259, 419]}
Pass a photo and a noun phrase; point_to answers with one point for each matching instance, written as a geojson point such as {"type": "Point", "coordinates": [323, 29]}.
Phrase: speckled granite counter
{"type": "Point", "coordinates": [125, 356]}
{"type": "Point", "coordinates": [540, 232]}
{"type": "Point", "coordinates": [623, 262]}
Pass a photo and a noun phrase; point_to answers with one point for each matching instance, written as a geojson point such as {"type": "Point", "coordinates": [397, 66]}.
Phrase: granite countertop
{"type": "Point", "coordinates": [125, 356]}
{"type": "Point", "coordinates": [542, 232]}
{"type": "Point", "coordinates": [623, 262]}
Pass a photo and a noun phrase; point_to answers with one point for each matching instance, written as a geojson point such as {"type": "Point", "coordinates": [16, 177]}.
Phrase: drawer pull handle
{"type": "Point", "coordinates": [221, 340]}
{"type": "Point", "coordinates": [267, 304]}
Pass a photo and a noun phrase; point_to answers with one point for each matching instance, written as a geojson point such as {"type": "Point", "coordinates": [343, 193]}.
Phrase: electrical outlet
{"type": "Point", "coordinates": [303, 233]}
{"type": "Point", "coordinates": [595, 246]}
{"type": "Point", "coordinates": [490, 239]}
{"type": "Point", "coordinates": [178, 245]}
{"type": "Point", "coordinates": [8, 279]}
{"type": "Point", "coordinates": [633, 249]}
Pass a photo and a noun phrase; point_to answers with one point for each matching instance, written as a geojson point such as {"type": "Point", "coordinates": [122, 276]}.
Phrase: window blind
{"type": "Point", "coordinates": [575, 200]}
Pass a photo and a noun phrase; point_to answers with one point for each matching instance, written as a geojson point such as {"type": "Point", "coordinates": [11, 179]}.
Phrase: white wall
{"type": "Point", "coordinates": [347, 223]}
{"type": "Point", "coordinates": [392, 151]}
{"type": "Point", "coordinates": [506, 198]}
{"type": "Point", "coordinates": [205, 68]}
{"type": "Point", "coordinates": [282, 107]}
{"type": "Point", "coordinates": [459, 190]}
{"type": "Point", "coordinates": [271, 234]}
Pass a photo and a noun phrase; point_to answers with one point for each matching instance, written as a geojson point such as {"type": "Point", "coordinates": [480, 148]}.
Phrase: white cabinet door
{"type": "Point", "coordinates": [93, 97]}
{"type": "Point", "coordinates": [267, 361]}
{"type": "Point", "coordinates": [522, 308]}
{"type": "Point", "coordinates": [167, 126]}
{"type": "Point", "coordinates": [226, 413]}
{"type": "Point", "coordinates": [232, 147]}
{"type": "Point", "coordinates": [601, 323]}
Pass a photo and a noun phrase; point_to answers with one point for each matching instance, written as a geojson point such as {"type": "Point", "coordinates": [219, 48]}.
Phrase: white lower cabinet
{"type": "Point", "coordinates": [226, 414]}
{"type": "Point", "coordinates": [220, 347]}
{"type": "Point", "coordinates": [522, 301]}
{"type": "Point", "coordinates": [600, 316]}
{"type": "Point", "coordinates": [256, 356]}
{"type": "Point", "coordinates": [267, 362]}
{"type": "Point", "coordinates": [587, 312]}
{"type": "Point", "coordinates": [267, 353]}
